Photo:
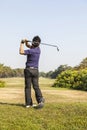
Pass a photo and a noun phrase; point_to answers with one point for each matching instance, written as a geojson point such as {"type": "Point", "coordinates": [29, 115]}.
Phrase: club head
{"type": "Point", "coordinates": [57, 49]}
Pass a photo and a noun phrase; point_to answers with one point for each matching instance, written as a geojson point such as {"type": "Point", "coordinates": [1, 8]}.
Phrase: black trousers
{"type": "Point", "coordinates": [31, 77]}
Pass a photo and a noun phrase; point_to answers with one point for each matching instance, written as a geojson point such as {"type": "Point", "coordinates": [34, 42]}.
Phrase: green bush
{"type": "Point", "coordinates": [2, 84]}
{"type": "Point", "coordinates": [73, 79]}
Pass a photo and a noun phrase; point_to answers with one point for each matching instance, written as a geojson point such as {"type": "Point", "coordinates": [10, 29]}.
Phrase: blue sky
{"type": "Point", "coordinates": [58, 22]}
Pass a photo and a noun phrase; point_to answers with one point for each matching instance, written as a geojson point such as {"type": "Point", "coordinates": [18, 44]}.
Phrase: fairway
{"type": "Point", "coordinates": [64, 109]}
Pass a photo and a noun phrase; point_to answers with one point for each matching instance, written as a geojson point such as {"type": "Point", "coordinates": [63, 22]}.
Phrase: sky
{"type": "Point", "coordinates": [58, 22]}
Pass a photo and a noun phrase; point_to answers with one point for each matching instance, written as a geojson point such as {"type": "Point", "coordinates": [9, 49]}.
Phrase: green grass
{"type": "Point", "coordinates": [61, 111]}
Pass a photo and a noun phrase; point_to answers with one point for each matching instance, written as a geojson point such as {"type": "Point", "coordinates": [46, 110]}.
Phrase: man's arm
{"type": "Point", "coordinates": [21, 49]}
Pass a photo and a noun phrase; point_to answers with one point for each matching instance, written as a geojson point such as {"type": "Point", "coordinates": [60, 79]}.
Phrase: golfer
{"type": "Point", "coordinates": [31, 72]}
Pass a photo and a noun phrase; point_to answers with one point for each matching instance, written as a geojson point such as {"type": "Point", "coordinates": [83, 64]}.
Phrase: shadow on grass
{"type": "Point", "coordinates": [12, 104]}
{"type": "Point", "coordinates": [22, 105]}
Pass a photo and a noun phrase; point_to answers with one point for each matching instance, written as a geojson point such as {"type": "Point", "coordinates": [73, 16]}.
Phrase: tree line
{"type": "Point", "coordinates": [66, 76]}
{"type": "Point", "coordinates": [6, 71]}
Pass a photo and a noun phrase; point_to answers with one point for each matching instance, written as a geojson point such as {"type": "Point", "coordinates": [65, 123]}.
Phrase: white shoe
{"type": "Point", "coordinates": [28, 106]}
{"type": "Point", "coordinates": [34, 105]}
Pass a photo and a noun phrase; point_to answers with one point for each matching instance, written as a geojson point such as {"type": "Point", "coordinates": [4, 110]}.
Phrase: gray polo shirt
{"type": "Point", "coordinates": [33, 56]}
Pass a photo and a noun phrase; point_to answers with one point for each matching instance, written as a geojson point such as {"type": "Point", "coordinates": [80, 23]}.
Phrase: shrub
{"type": "Point", "coordinates": [73, 79]}
{"type": "Point", "coordinates": [2, 84]}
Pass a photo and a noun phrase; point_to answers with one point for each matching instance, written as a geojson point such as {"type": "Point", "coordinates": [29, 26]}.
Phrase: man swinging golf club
{"type": "Point", "coordinates": [31, 72]}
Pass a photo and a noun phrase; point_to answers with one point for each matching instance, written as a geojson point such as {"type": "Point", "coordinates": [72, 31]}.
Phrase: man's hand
{"type": "Point", "coordinates": [22, 41]}
{"type": "Point", "coordinates": [27, 44]}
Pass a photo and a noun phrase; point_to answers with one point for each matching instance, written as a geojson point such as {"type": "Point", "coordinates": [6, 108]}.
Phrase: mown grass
{"type": "Point", "coordinates": [59, 113]}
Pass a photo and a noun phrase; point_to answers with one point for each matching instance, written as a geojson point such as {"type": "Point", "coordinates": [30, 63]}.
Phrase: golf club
{"type": "Point", "coordinates": [47, 45]}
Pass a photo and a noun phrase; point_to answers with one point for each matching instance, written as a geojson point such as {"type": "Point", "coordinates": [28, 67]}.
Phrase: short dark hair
{"type": "Point", "coordinates": [36, 41]}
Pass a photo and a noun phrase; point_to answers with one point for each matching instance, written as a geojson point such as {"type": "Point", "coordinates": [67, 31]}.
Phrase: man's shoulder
{"type": "Point", "coordinates": [36, 49]}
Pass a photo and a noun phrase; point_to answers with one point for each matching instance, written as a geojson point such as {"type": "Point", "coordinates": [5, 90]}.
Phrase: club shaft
{"type": "Point", "coordinates": [47, 44]}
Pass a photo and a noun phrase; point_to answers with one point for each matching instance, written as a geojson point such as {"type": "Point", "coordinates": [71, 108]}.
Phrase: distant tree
{"type": "Point", "coordinates": [48, 74]}
{"type": "Point", "coordinates": [1, 69]}
{"type": "Point", "coordinates": [42, 74]}
{"type": "Point", "coordinates": [60, 69]}
{"type": "Point", "coordinates": [82, 65]}
{"type": "Point", "coordinates": [18, 72]}
{"type": "Point", "coordinates": [6, 71]}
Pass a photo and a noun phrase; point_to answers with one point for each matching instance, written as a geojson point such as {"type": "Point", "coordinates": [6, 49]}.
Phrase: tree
{"type": "Point", "coordinates": [6, 71]}
{"type": "Point", "coordinates": [42, 74]}
{"type": "Point", "coordinates": [82, 65]}
{"type": "Point", "coordinates": [60, 69]}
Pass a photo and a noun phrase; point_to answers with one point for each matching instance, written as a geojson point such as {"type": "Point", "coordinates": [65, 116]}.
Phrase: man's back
{"type": "Point", "coordinates": [33, 56]}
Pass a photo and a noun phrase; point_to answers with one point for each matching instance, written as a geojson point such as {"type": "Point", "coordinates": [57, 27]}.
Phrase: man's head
{"type": "Point", "coordinates": [36, 41]}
